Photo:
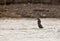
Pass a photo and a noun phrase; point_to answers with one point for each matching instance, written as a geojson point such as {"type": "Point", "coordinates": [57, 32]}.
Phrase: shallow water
{"type": "Point", "coordinates": [26, 29]}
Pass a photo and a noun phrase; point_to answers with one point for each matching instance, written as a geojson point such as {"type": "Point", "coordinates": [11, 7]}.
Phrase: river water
{"type": "Point", "coordinates": [26, 29]}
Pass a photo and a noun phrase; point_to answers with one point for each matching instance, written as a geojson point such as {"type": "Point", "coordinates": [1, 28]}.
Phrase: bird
{"type": "Point", "coordinates": [39, 23]}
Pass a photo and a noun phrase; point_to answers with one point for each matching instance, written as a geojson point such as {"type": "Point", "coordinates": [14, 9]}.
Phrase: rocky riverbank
{"type": "Point", "coordinates": [33, 10]}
